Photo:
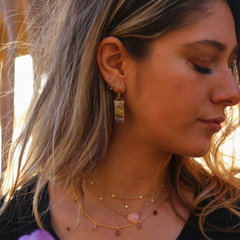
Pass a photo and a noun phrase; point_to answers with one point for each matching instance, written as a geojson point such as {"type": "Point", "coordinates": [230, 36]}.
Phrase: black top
{"type": "Point", "coordinates": [18, 220]}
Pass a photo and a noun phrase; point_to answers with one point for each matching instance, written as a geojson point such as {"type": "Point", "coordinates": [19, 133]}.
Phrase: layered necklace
{"type": "Point", "coordinates": [134, 217]}
{"type": "Point", "coordinates": [113, 195]}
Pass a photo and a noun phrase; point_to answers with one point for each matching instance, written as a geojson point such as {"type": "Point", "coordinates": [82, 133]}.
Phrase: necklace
{"type": "Point", "coordinates": [113, 195]}
{"type": "Point", "coordinates": [139, 224]}
{"type": "Point", "coordinates": [131, 217]}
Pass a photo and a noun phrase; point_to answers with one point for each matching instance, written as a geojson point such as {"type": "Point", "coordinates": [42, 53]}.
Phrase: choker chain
{"type": "Point", "coordinates": [113, 195]}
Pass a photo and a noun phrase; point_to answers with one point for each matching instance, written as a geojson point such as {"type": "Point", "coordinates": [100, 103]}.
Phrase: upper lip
{"type": "Point", "coordinates": [218, 120]}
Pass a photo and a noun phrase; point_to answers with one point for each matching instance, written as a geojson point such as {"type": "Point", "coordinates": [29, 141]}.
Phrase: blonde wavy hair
{"type": "Point", "coordinates": [70, 121]}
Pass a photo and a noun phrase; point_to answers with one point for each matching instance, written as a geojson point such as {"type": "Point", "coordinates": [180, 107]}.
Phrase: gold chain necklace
{"type": "Point", "coordinates": [139, 225]}
{"type": "Point", "coordinates": [131, 217]}
{"type": "Point", "coordinates": [113, 195]}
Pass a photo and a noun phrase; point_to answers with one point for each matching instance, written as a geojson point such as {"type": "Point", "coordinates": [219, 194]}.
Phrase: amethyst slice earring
{"type": "Point", "coordinates": [119, 108]}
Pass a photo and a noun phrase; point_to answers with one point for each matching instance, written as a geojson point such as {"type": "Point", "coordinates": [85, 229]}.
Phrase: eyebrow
{"type": "Point", "coordinates": [221, 47]}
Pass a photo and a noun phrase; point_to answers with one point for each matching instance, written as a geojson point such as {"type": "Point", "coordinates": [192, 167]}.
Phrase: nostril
{"type": "Point", "coordinates": [228, 94]}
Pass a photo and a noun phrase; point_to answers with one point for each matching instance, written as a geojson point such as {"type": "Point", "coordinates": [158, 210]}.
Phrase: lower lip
{"type": "Point", "coordinates": [215, 127]}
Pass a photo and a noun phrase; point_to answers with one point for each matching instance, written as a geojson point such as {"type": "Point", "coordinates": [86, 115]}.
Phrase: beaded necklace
{"type": "Point", "coordinates": [131, 217]}
{"type": "Point", "coordinates": [117, 229]}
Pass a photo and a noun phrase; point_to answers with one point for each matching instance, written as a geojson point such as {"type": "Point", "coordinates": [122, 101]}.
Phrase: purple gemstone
{"type": "Point", "coordinates": [155, 212]}
{"type": "Point", "coordinates": [119, 121]}
{"type": "Point", "coordinates": [37, 235]}
{"type": "Point", "coordinates": [139, 226]}
{"type": "Point", "coordinates": [117, 233]}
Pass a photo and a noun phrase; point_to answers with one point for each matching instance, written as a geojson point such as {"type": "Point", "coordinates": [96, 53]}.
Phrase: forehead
{"type": "Point", "coordinates": [217, 26]}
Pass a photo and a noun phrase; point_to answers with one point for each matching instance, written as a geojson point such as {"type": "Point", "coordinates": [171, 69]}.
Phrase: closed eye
{"type": "Point", "coordinates": [202, 70]}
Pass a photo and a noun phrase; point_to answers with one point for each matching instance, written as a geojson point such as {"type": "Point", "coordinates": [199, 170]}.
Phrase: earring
{"type": "Point", "coordinates": [111, 88]}
{"type": "Point", "coordinates": [109, 81]}
{"type": "Point", "coordinates": [119, 108]}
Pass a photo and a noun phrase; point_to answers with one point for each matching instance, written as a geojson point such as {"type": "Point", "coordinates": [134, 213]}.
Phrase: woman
{"type": "Point", "coordinates": [169, 67]}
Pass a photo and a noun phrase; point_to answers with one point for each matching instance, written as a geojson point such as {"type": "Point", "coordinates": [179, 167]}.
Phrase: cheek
{"type": "Point", "coordinates": [166, 109]}
{"type": "Point", "coordinates": [169, 93]}
{"type": "Point", "coordinates": [168, 90]}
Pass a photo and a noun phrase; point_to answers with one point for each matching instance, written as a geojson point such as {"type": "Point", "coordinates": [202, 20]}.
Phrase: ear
{"type": "Point", "coordinates": [113, 63]}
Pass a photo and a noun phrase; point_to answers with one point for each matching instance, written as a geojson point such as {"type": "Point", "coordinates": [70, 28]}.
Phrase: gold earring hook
{"type": "Point", "coordinates": [119, 94]}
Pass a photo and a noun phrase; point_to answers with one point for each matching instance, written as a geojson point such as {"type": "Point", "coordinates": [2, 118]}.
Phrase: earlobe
{"type": "Point", "coordinates": [111, 57]}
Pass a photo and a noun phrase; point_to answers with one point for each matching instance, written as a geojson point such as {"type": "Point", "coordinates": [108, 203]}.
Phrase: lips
{"type": "Point", "coordinates": [214, 123]}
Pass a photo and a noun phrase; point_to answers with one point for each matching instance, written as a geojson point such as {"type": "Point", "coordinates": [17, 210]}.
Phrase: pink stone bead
{"type": "Point", "coordinates": [95, 227]}
{"type": "Point", "coordinates": [133, 217]}
{"type": "Point", "coordinates": [139, 226]}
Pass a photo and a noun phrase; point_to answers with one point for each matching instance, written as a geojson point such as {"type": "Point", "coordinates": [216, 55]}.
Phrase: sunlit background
{"type": "Point", "coordinates": [24, 91]}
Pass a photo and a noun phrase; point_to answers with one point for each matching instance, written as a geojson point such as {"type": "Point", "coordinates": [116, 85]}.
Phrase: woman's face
{"type": "Point", "coordinates": [177, 100]}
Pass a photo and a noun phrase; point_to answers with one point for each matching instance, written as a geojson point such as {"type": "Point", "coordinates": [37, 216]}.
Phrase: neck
{"type": "Point", "coordinates": [129, 171]}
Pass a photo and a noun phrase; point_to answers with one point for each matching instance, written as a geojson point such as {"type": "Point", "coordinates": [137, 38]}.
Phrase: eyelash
{"type": "Point", "coordinates": [202, 70]}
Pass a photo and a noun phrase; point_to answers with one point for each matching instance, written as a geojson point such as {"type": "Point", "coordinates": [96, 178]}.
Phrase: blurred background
{"type": "Point", "coordinates": [16, 67]}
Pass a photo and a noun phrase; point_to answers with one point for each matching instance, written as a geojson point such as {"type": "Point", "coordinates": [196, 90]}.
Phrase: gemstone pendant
{"type": "Point", "coordinates": [117, 233]}
{"type": "Point", "coordinates": [119, 110]}
{"type": "Point", "coordinates": [155, 212]}
{"type": "Point", "coordinates": [133, 217]}
{"type": "Point", "coordinates": [139, 226]}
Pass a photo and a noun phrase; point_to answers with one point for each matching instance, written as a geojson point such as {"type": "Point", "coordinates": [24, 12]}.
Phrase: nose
{"type": "Point", "coordinates": [226, 89]}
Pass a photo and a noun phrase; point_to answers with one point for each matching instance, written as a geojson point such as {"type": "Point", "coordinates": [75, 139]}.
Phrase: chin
{"type": "Point", "coordinates": [198, 155]}
{"type": "Point", "coordinates": [196, 151]}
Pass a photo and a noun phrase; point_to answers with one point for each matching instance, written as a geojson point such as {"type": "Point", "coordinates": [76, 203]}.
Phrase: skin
{"type": "Point", "coordinates": [168, 100]}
